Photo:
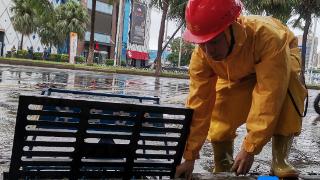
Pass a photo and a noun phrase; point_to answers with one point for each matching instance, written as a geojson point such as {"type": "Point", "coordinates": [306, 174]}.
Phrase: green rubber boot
{"type": "Point", "coordinates": [223, 156]}
{"type": "Point", "coordinates": [280, 151]}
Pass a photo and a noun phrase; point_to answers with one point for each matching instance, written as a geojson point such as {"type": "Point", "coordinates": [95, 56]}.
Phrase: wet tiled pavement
{"type": "Point", "coordinates": [228, 176]}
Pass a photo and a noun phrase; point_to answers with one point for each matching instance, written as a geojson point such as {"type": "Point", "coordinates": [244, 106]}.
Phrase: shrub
{"type": "Point", "coordinates": [9, 54]}
{"type": "Point", "coordinates": [64, 58]}
{"type": "Point", "coordinates": [55, 57]}
{"type": "Point", "coordinates": [37, 56]}
{"type": "Point", "coordinates": [109, 62]}
{"type": "Point", "coordinates": [22, 54]}
{"type": "Point", "coordinates": [123, 63]}
{"type": "Point", "coordinates": [80, 59]}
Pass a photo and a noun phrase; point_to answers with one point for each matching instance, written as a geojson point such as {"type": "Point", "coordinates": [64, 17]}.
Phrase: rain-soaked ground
{"type": "Point", "coordinates": [16, 80]}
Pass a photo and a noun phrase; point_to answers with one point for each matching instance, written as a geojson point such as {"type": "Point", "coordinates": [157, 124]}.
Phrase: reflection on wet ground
{"type": "Point", "coordinates": [16, 80]}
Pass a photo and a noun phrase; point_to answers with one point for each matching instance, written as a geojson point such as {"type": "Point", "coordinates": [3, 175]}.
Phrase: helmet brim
{"type": "Point", "coordinates": [198, 39]}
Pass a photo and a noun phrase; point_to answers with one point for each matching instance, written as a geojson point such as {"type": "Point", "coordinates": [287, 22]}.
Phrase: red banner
{"type": "Point", "coordinates": [137, 55]}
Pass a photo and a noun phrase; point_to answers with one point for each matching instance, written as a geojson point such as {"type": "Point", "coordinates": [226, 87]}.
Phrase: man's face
{"type": "Point", "coordinates": [216, 48]}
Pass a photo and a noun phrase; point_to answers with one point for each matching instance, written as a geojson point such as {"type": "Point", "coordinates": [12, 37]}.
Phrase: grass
{"type": "Point", "coordinates": [95, 67]}
{"type": "Point", "coordinates": [313, 86]}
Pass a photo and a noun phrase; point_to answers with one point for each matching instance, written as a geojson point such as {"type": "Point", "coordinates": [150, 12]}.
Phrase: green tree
{"type": "Point", "coordinates": [27, 14]}
{"type": "Point", "coordinates": [281, 9]}
{"type": "Point", "coordinates": [177, 10]}
{"type": "Point", "coordinates": [47, 27]}
{"type": "Point", "coordinates": [23, 19]}
{"type": "Point", "coordinates": [66, 18]}
{"type": "Point", "coordinates": [52, 25]}
{"type": "Point", "coordinates": [49, 34]}
{"type": "Point", "coordinates": [186, 52]}
{"type": "Point", "coordinates": [43, 8]}
{"type": "Point", "coordinates": [171, 9]}
{"type": "Point", "coordinates": [304, 10]}
{"type": "Point", "coordinates": [71, 17]}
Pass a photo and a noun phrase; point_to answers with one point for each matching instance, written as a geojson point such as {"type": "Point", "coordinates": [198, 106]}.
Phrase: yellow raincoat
{"type": "Point", "coordinates": [250, 86]}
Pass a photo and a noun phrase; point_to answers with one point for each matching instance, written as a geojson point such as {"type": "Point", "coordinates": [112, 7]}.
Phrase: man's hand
{"type": "Point", "coordinates": [185, 169]}
{"type": "Point", "coordinates": [243, 162]}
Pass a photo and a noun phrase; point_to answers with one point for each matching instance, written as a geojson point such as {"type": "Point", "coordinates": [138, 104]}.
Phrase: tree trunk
{"type": "Point", "coordinates": [120, 33]}
{"type": "Point", "coordinates": [304, 46]}
{"type": "Point", "coordinates": [172, 36]}
{"type": "Point", "coordinates": [165, 5]}
{"type": "Point", "coordinates": [91, 45]}
{"type": "Point", "coordinates": [21, 43]}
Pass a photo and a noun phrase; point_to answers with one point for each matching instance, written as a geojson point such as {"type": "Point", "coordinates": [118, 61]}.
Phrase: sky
{"type": "Point", "coordinates": [155, 26]}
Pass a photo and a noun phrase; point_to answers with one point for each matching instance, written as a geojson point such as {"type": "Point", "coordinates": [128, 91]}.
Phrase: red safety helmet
{"type": "Point", "coordinates": [208, 18]}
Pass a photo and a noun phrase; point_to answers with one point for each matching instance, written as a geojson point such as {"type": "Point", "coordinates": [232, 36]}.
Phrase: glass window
{"type": "Point", "coordinates": [102, 38]}
{"type": "Point", "coordinates": [101, 7]}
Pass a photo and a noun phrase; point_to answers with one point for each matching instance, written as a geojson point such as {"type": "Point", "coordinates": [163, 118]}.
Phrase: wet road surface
{"type": "Point", "coordinates": [16, 80]}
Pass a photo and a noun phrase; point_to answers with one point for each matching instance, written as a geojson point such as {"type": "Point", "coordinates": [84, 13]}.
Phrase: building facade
{"type": "Point", "coordinates": [105, 29]}
{"type": "Point", "coordinates": [135, 36]}
{"type": "Point", "coordinates": [9, 37]}
{"type": "Point", "coordinates": [136, 30]}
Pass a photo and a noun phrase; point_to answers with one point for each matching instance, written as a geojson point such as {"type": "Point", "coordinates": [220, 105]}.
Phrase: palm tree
{"type": "Point", "coordinates": [306, 9]}
{"type": "Point", "coordinates": [284, 9]}
{"type": "Point", "coordinates": [49, 34]}
{"type": "Point", "coordinates": [23, 19]}
{"type": "Point", "coordinates": [186, 51]}
{"type": "Point", "coordinates": [66, 18]}
{"type": "Point", "coordinates": [91, 45]}
{"type": "Point", "coordinates": [46, 22]}
{"type": "Point", "coordinates": [280, 9]}
{"type": "Point", "coordinates": [173, 9]}
{"type": "Point", "coordinates": [43, 8]}
{"type": "Point", "coordinates": [27, 15]}
{"type": "Point", "coordinates": [164, 5]}
{"type": "Point", "coordinates": [177, 10]}
{"type": "Point", "coordinates": [72, 17]}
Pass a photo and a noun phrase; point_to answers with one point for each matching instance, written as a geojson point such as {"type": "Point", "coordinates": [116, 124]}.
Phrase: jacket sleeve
{"type": "Point", "coordinates": [201, 99]}
{"type": "Point", "coordinates": [273, 73]}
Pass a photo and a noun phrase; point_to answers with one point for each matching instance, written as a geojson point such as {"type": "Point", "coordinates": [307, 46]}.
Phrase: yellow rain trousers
{"type": "Point", "coordinates": [250, 86]}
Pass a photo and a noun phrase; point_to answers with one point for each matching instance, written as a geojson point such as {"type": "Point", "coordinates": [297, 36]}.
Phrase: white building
{"type": "Point", "coordinates": [9, 37]}
{"type": "Point", "coordinates": [318, 60]}
{"type": "Point", "coordinates": [309, 46]}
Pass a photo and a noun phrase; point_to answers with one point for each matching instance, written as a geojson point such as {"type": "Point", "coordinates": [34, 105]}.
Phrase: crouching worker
{"type": "Point", "coordinates": [244, 70]}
